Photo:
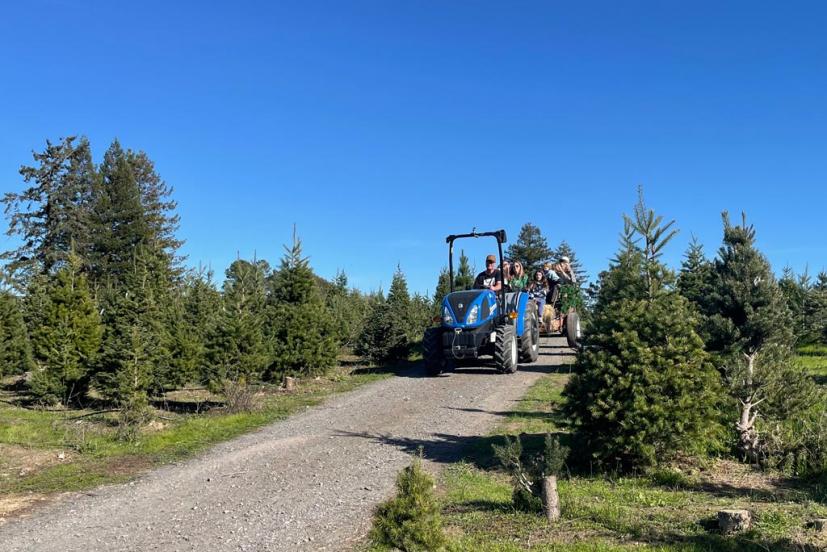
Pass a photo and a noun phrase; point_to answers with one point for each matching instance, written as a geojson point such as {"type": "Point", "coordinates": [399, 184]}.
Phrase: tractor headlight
{"type": "Point", "coordinates": [473, 315]}
{"type": "Point", "coordinates": [447, 318]}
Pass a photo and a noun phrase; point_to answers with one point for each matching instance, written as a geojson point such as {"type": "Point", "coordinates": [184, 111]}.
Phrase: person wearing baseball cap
{"type": "Point", "coordinates": [490, 278]}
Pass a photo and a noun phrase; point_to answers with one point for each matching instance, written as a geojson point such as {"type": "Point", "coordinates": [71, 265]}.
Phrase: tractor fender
{"type": "Point", "coordinates": [517, 301]}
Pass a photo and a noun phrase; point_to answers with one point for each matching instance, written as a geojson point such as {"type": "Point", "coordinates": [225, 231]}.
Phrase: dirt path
{"type": "Point", "coordinates": [307, 483]}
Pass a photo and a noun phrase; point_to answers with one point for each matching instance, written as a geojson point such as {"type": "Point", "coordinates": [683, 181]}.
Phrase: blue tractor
{"type": "Point", "coordinates": [481, 322]}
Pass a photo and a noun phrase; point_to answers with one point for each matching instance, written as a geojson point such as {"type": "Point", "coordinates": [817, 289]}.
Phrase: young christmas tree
{"type": "Point", "coordinates": [751, 335]}
{"type": "Point", "coordinates": [15, 349]}
{"type": "Point", "coordinates": [644, 389]}
{"type": "Point", "coordinates": [390, 330]}
{"type": "Point", "coordinates": [66, 336]}
{"type": "Point", "coordinates": [531, 248]}
{"type": "Point", "coordinates": [237, 347]}
{"type": "Point", "coordinates": [443, 288]}
{"type": "Point", "coordinates": [465, 274]}
{"type": "Point", "coordinates": [132, 351]}
{"type": "Point", "coordinates": [301, 327]}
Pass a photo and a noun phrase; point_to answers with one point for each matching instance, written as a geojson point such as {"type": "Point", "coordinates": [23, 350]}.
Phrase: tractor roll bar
{"type": "Point", "coordinates": [501, 239]}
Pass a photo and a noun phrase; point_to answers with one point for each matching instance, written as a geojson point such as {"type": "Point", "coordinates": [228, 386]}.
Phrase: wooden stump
{"type": "Point", "coordinates": [734, 521]}
{"type": "Point", "coordinates": [289, 383]}
{"type": "Point", "coordinates": [820, 525]}
{"type": "Point", "coordinates": [551, 500]}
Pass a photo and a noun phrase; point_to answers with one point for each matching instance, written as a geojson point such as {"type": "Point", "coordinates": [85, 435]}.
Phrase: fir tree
{"type": "Point", "coordinates": [15, 349]}
{"type": "Point", "coordinates": [136, 346]}
{"type": "Point", "coordinates": [66, 336]}
{"type": "Point", "coordinates": [389, 330]}
{"type": "Point", "coordinates": [443, 288]}
{"type": "Point", "coordinates": [120, 225]}
{"type": "Point", "coordinates": [531, 248]}
{"type": "Point", "coordinates": [237, 348]}
{"type": "Point", "coordinates": [695, 277]}
{"type": "Point", "coordinates": [50, 217]}
{"type": "Point", "coordinates": [202, 305]}
{"type": "Point", "coordinates": [301, 327]}
{"type": "Point", "coordinates": [751, 336]}
{"type": "Point", "coordinates": [465, 274]}
{"type": "Point", "coordinates": [347, 308]}
{"type": "Point", "coordinates": [645, 388]}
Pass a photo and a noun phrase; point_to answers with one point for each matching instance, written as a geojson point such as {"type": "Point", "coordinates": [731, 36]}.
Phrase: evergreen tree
{"type": "Point", "coordinates": [15, 349]}
{"type": "Point", "coordinates": [202, 306]}
{"type": "Point", "coordinates": [348, 309]}
{"type": "Point", "coordinates": [695, 277]}
{"type": "Point", "coordinates": [66, 336]}
{"type": "Point", "coordinates": [531, 248]}
{"type": "Point", "coordinates": [389, 331]}
{"type": "Point", "coordinates": [645, 388]}
{"type": "Point", "coordinates": [237, 348]}
{"type": "Point", "coordinates": [120, 225]}
{"type": "Point", "coordinates": [136, 345]}
{"type": "Point", "coordinates": [751, 334]}
{"type": "Point", "coordinates": [301, 327]}
{"type": "Point", "coordinates": [50, 217]}
{"type": "Point", "coordinates": [443, 288]}
{"type": "Point", "coordinates": [465, 274]}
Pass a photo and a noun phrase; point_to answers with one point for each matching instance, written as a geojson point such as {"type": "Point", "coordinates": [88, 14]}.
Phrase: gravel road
{"type": "Point", "coordinates": [307, 483]}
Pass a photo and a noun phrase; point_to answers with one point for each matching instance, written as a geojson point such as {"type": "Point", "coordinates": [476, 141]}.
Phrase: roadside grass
{"type": "Point", "coordinates": [670, 510]}
{"type": "Point", "coordinates": [813, 358]}
{"type": "Point", "coordinates": [49, 451]}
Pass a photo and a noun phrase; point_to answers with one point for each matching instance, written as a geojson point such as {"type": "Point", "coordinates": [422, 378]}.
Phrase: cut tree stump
{"type": "Point", "coordinates": [289, 383]}
{"type": "Point", "coordinates": [551, 500]}
{"type": "Point", "coordinates": [734, 521]}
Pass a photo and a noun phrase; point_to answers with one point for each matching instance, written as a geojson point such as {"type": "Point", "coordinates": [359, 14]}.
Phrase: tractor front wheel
{"type": "Point", "coordinates": [505, 350]}
{"type": "Point", "coordinates": [432, 351]}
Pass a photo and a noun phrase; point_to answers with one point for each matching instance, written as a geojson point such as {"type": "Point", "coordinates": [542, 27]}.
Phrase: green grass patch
{"type": "Point", "coordinates": [32, 440]}
{"type": "Point", "coordinates": [670, 510]}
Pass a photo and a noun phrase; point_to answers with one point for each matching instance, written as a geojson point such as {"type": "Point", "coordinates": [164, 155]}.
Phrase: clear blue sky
{"type": "Point", "coordinates": [379, 127]}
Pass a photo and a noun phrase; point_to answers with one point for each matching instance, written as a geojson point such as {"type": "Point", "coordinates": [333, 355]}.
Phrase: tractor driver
{"type": "Point", "coordinates": [490, 278]}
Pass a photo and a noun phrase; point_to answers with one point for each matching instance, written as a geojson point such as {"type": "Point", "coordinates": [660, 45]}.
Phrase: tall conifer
{"type": "Point", "coordinates": [66, 336]}
{"type": "Point", "coordinates": [302, 334]}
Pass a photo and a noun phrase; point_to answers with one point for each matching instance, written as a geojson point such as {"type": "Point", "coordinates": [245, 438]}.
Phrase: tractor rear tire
{"type": "Point", "coordinates": [506, 355]}
{"type": "Point", "coordinates": [573, 329]}
{"type": "Point", "coordinates": [432, 351]}
{"type": "Point", "coordinates": [530, 342]}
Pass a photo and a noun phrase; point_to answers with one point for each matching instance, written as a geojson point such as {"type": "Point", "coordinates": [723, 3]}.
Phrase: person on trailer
{"type": "Point", "coordinates": [538, 290]}
{"type": "Point", "coordinates": [490, 278]}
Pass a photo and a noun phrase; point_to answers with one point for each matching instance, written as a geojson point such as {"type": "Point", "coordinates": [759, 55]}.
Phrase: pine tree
{"type": "Point", "coordinates": [751, 335]}
{"type": "Point", "coordinates": [237, 348]}
{"type": "Point", "coordinates": [465, 274]}
{"type": "Point", "coordinates": [66, 336]}
{"type": "Point", "coordinates": [50, 217]}
{"type": "Point", "coordinates": [531, 248]}
{"type": "Point", "coordinates": [645, 388]}
{"type": "Point", "coordinates": [301, 327]}
{"type": "Point", "coordinates": [15, 349]}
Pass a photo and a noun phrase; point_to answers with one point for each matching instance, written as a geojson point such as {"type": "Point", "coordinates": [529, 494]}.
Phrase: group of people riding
{"type": "Point", "coordinates": [543, 287]}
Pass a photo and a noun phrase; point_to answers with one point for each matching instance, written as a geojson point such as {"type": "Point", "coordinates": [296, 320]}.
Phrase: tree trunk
{"type": "Point", "coordinates": [551, 500]}
{"type": "Point", "coordinates": [747, 436]}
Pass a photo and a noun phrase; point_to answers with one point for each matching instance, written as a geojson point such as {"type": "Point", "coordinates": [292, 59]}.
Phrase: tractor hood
{"type": "Point", "coordinates": [468, 309]}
